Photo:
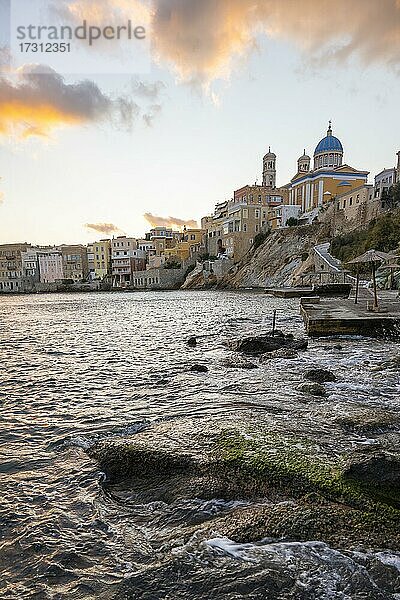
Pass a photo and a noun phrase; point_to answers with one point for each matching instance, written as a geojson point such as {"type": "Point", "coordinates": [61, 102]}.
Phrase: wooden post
{"type": "Point", "coordinates": [273, 322]}
{"type": "Point", "coordinates": [374, 284]}
{"type": "Point", "coordinates": [357, 284]}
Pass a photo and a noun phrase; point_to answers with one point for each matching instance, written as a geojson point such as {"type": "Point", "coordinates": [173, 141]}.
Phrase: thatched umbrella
{"type": "Point", "coordinates": [372, 257]}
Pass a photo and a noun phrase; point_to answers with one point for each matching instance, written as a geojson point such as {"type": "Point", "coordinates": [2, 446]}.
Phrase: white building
{"type": "Point", "coordinates": [50, 266]}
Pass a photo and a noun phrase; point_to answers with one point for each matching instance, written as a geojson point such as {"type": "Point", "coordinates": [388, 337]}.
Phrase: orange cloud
{"type": "Point", "coordinates": [173, 222]}
{"type": "Point", "coordinates": [34, 102]}
{"type": "Point", "coordinates": [105, 228]}
{"type": "Point", "coordinates": [203, 40]}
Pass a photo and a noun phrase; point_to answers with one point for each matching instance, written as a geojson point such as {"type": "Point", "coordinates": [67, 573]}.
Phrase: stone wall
{"type": "Point", "coordinates": [158, 279]}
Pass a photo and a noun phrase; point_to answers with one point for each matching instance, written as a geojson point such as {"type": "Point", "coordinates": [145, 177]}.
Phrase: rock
{"type": "Point", "coordinates": [366, 421]}
{"type": "Point", "coordinates": [199, 369]}
{"type": "Point", "coordinates": [287, 353]}
{"type": "Point", "coordinates": [392, 363]}
{"type": "Point", "coordinates": [319, 375]}
{"type": "Point", "coordinates": [267, 343]}
{"type": "Point", "coordinates": [379, 469]}
{"type": "Point", "coordinates": [309, 498]}
{"type": "Point", "coordinates": [192, 342]}
{"type": "Point", "coordinates": [313, 389]}
{"type": "Point", "coordinates": [238, 363]}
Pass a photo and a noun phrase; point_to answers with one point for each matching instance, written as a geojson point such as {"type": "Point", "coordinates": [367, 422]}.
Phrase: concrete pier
{"type": "Point", "coordinates": [336, 316]}
{"type": "Point", "coordinates": [290, 292]}
{"type": "Point", "coordinates": [341, 290]}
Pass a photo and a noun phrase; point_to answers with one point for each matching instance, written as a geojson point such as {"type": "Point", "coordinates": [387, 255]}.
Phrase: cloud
{"type": "Point", "coordinates": [105, 228]}
{"type": "Point", "coordinates": [1, 198]}
{"type": "Point", "coordinates": [203, 40]}
{"type": "Point", "coordinates": [34, 102]}
{"type": "Point", "coordinates": [173, 222]}
{"type": "Point", "coordinates": [151, 91]}
{"type": "Point", "coordinates": [152, 113]}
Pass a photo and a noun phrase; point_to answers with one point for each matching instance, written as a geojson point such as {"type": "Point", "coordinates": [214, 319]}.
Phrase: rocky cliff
{"type": "Point", "coordinates": [280, 260]}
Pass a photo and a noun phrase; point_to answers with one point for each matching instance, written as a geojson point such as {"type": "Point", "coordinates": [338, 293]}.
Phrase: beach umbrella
{"type": "Point", "coordinates": [371, 257]}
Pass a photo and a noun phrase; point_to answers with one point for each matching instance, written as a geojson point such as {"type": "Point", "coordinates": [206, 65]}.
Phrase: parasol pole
{"type": "Point", "coordinates": [374, 284]}
{"type": "Point", "coordinates": [357, 284]}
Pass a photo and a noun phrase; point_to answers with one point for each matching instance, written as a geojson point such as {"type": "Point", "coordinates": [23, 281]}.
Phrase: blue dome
{"type": "Point", "coordinates": [330, 143]}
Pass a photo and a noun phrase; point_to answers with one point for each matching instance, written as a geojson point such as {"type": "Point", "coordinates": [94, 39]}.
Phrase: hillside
{"type": "Point", "coordinates": [280, 260]}
{"type": "Point", "coordinates": [381, 234]}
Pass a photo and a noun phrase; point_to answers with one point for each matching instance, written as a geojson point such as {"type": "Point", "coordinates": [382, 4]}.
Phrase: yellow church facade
{"type": "Point", "coordinates": [312, 188]}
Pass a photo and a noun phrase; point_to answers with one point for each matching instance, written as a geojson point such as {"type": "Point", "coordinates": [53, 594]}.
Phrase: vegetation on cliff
{"type": "Point", "coordinates": [382, 234]}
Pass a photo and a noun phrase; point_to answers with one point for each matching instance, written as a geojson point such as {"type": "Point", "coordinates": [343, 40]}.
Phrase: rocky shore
{"type": "Point", "coordinates": [295, 485]}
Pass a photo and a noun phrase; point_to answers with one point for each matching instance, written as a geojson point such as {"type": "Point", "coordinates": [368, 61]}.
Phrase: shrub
{"type": "Point", "coordinates": [260, 239]}
{"type": "Point", "coordinates": [382, 234]}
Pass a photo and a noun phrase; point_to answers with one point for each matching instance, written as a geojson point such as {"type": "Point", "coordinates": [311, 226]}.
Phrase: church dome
{"type": "Point", "coordinates": [330, 143]}
{"type": "Point", "coordinates": [269, 154]}
{"type": "Point", "coordinates": [304, 157]}
{"type": "Point", "coordinates": [329, 152]}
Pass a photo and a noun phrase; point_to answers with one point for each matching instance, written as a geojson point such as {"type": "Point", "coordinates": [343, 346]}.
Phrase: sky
{"type": "Point", "coordinates": [87, 155]}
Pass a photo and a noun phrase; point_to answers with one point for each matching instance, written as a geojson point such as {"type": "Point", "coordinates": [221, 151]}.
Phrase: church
{"type": "Point", "coordinates": [312, 188]}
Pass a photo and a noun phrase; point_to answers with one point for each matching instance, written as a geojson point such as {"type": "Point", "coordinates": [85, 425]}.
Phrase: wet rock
{"type": "Point", "coordinates": [392, 363]}
{"type": "Point", "coordinates": [367, 421]}
{"type": "Point", "coordinates": [199, 369]}
{"type": "Point", "coordinates": [306, 494]}
{"type": "Point", "coordinates": [238, 363]}
{"type": "Point", "coordinates": [287, 353]}
{"type": "Point", "coordinates": [309, 518]}
{"type": "Point", "coordinates": [312, 389]}
{"type": "Point", "coordinates": [320, 375]}
{"type": "Point", "coordinates": [192, 342]}
{"type": "Point", "coordinates": [377, 469]}
{"type": "Point", "coordinates": [257, 345]}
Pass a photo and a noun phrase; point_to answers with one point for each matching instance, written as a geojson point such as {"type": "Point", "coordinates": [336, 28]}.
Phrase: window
{"type": "Point", "coordinates": [245, 227]}
{"type": "Point", "coordinates": [245, 213]}
{"type": "Point", "coordinates": [257, 214]}
{"type": "Point", "coordinates": [257, 228]}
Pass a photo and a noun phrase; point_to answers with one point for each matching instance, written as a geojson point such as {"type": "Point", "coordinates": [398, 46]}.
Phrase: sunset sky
{"type": "Point", "coordinates": [225, 79]}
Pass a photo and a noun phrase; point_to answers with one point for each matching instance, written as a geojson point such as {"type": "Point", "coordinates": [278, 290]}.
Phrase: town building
{"type": "Point", "coordinates": [233, 226]}
{"type": "Point", "coordinates": [358, 206]}
{"type": "Point", "coordinates": [12, 277]}
{"type": "Point", "coordinates": [190, 245]}
{"type": "Point", "coordinates": [102, 259]}
{"type": "Point", "coordinates": [126, 259]}
{"type": "Point", "coordinates": [163, 238]}
{"type": "Point", "coordinates": [90, 259]}
{"type": "Point", "coordinates": [30, 265]}
{"type": "Point", "coordinates": [280, 215]}
{"type": "Point", "coordinates": [75, 263]}
{"type": "Point", "coordinates": [384, 181]}
{"type": "Point", "coordinates": [330, 177]}
{"type": "Point", "coordinates": [50, 265]}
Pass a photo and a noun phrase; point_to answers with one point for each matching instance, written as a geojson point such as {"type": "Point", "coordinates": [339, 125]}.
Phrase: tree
{"type": "Point", "coordinates": [292, 222]}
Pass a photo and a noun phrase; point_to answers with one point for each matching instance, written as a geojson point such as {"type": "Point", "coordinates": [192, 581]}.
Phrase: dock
{"type": "Point", "coordinates": [341, 290]}
{"type": "Point", "coordinates": [339, 316]}
{"type": "Point", "coordinates": [290, 292]}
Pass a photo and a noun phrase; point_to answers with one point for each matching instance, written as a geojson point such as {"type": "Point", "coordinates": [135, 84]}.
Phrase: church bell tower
{"type": "Point", "coordinates": [269, 169]}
